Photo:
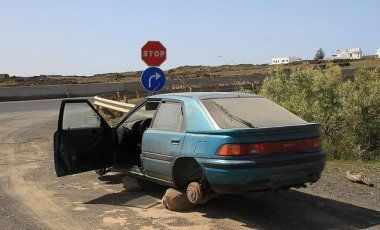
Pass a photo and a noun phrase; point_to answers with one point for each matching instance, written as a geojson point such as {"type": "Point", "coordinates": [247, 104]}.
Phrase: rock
{"type": "Point", "coordinates": [137, 184]}
{"type": "Point", "coordinates": [131, 184]}
{"type": "Point", "coordinates": [147, 185]}
{"type": "Point", "coordinates": [176, 200]}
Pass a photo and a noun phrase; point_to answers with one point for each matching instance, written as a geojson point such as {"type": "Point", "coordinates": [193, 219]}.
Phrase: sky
{"type": "Point", "coordinates": [77, 37]}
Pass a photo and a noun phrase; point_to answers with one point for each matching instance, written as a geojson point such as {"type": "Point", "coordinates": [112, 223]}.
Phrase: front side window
{"type": "Point", "coordinates": [169, 117]}
{"type": "Point", "coordinates": [249, 112]}
{"type": "Point", "coordinates": [79, 115]}
{"type": "Point", "coordinates": [146, 111]}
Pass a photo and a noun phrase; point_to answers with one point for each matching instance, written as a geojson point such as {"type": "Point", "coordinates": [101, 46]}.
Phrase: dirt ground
{"type": "Point", "coordinates": [32, 197]}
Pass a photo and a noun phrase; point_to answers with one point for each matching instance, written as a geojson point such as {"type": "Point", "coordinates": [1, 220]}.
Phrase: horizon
{"type": "Point", "coordinates": [183, 66]}
{"type": "Point", "coordinates": [86, 38]}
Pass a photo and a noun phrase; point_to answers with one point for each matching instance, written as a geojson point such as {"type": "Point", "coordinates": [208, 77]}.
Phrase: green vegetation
{"type": "Point", "coordinates": [348, 111]}
{"type": "Point", "coordinates": [319, 55]}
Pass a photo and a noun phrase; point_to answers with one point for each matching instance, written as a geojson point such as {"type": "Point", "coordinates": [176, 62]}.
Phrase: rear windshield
{"type": "Point", "coordinates": [249, 112]}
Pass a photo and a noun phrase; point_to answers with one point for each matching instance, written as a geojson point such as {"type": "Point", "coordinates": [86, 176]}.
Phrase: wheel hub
{"type": "Point", "coordinates": [194, 193]}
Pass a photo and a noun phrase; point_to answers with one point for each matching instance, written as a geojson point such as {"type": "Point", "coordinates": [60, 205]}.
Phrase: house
{"type": "Point", "coordinates": [378, 52]}
{"type": "Point", "coordinates": [284, 60]}
{"type": "Point", "coordinates": [353, 53]}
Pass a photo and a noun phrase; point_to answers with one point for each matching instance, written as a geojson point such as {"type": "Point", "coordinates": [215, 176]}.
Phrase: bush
{"type": "Point", "coordinates": [319, 55]}
{"type": "Point", "coordinates": [360, 111]}
{"type": "Point", "coordinates": [348, 111]}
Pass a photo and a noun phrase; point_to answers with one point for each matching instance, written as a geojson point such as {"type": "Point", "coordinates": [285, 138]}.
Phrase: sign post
{"type": "Point", "coordinates": [153, 53]}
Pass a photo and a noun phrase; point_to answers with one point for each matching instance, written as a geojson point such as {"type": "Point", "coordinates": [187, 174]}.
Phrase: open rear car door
{"type": "Point", "coordinates": [83, 141]}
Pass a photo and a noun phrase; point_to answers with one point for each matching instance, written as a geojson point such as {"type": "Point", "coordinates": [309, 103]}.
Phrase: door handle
{"type": "Point", "coordinates": [175, 141]}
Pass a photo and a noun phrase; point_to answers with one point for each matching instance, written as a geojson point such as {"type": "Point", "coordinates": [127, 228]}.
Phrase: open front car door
{"type": "Point", "coordinates": [83, 141]}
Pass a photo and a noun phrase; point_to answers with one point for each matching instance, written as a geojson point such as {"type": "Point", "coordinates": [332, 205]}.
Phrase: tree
{"type": "Point", "coordinates": [319, 55]}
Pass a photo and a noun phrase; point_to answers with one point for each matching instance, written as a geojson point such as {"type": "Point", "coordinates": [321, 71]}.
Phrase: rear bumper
{"type": "Point", "coordinates": [248, 175]}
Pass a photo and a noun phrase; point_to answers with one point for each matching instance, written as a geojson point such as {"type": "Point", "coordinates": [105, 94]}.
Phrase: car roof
{"type": "Point", "coordinates": [201, 95]}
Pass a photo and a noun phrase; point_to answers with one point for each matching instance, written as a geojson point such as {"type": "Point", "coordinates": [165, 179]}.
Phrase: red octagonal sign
{"type": "Point", "coordinates": [153, 53]}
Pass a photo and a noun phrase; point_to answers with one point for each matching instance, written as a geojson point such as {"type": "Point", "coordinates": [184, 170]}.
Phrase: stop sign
{"type": "Point", "coordinates": [153, 53]}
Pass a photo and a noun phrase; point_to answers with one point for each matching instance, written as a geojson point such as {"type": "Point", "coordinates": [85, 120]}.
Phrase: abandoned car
{"type": "Point", "coordinates": [202, 143]}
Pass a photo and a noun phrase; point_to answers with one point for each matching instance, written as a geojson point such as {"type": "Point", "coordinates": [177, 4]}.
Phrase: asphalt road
{"type": "Point", "coordinates": [32, 106]}
{"type": "Point", "coordinates": [32, 197]}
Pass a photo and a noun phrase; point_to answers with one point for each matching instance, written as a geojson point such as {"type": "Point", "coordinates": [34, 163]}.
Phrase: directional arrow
{"type": "Point", "coordinates": [152, 79]}
{"type": "Point", "coordinates": [155, 76]}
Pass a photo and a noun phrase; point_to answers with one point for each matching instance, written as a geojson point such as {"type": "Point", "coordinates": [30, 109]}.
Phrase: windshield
{"type": "Point", "coordinates": [249, 112]}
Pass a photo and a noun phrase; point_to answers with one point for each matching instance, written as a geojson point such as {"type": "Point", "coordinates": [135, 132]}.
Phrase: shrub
{"type": "Point", "coordinates": [319, 55]}
{"type": "Point", "coordinates": [348, 111]}
{"type": "Point", "coordinates": [360, 111]}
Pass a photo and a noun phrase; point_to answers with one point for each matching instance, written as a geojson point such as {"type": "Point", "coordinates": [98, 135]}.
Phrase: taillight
{"type": "Point", "coordinates": [240, 149]}
{"type": "Point", "coordinates": [287, 146]}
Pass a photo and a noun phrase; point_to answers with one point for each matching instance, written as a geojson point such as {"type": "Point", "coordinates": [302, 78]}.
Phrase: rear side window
{"type": "Point", "coordinates": [169, 117]}
{"type": "Point", "coordinates": [249, 112]}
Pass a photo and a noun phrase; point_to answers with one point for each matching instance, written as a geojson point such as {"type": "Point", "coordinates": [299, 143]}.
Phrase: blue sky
{"type": "Point", "coordinates": [87, 37]}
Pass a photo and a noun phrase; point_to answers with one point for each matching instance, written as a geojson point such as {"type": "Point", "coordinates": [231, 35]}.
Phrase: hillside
{"type": "Point", "coordinates": [185, 72]}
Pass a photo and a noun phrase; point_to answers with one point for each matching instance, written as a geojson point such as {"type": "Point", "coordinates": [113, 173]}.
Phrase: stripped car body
{"type": "Point", "coordinates": [228, 142]}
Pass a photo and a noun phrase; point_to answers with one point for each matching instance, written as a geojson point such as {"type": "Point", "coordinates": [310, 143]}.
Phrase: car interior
{"type": "Point", "coordinates": [131, 131]}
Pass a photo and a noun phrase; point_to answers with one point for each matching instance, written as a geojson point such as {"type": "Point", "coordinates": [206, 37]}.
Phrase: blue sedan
{"type": "Point", "coordinates": [204, 143]}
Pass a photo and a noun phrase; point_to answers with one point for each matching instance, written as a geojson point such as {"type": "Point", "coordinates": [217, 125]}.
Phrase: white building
{"type": "Point", "coordinates": [378, 52]}
{"type": "Point", "coordinates": [284, 60]}
{"type": "Point", "coordinates": [353, 53]}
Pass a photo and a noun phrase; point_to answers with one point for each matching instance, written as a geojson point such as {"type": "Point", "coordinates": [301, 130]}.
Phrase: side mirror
{"type": "Point", "coordinates": [92, 122]}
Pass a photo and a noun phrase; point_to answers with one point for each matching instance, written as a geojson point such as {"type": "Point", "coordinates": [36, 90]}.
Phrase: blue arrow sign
{"type": "Point", "coordinates": [153, 79]}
